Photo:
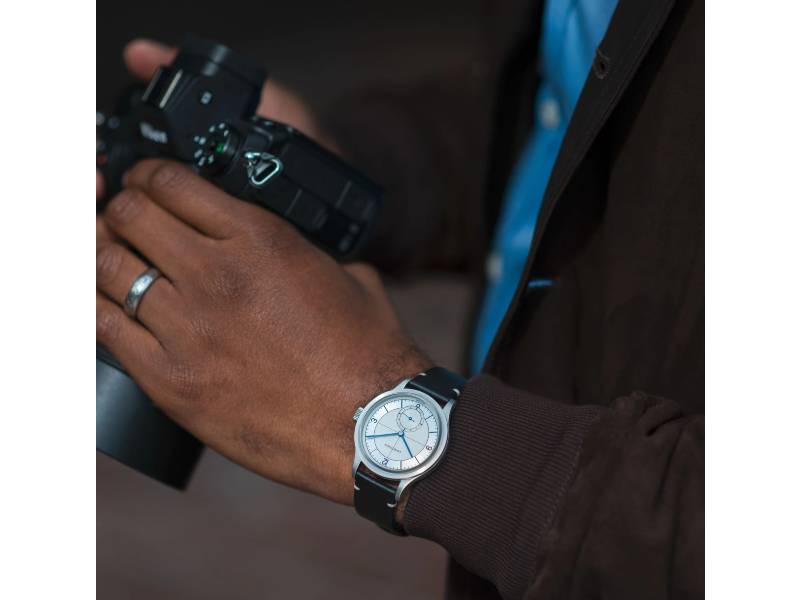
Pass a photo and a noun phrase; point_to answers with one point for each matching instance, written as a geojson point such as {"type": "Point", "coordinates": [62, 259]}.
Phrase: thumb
{"type": "Point", "coordinates": [143, 57]}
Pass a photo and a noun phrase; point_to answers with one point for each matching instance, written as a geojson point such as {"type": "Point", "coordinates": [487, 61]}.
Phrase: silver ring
{"type": "Point", "coordinates": [138, 289]}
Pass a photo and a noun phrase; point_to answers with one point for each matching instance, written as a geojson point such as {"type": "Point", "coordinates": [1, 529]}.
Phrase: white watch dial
{"type": "Point", "coordinates": [401, 432]}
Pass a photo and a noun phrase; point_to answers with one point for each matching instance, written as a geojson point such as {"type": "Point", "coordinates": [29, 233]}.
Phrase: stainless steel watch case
{"type": "Point", "coordinates": [404, 478]}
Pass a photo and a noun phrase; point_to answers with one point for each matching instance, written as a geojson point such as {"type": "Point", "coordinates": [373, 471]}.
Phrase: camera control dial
{"type": "Point", "coordinates": [215, 149]}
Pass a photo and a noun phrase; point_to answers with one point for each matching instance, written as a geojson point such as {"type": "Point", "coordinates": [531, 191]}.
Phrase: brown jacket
{"type": "Point", "coordinates": [576, 460]}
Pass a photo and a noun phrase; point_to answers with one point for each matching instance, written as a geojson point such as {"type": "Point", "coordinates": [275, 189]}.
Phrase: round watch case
{"type": "Point", "coordinates": [364, 458]}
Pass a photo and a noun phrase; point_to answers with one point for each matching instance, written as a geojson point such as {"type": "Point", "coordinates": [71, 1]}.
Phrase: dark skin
{"type": "Point", "coordinates": [254, 340]}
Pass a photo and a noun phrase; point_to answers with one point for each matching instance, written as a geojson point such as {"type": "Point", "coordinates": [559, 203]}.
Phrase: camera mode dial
{"type": "Point", "coordinates": [215, 148]}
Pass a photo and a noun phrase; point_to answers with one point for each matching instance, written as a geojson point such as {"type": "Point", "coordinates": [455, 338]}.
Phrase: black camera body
{"type": "Point", "coordinates": [200, 110]}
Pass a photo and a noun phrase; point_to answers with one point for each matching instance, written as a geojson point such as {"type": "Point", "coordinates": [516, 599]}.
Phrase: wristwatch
{"type": "Point", "coordinates": [400, 436]}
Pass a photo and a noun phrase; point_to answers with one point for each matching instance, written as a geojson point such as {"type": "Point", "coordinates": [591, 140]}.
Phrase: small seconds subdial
{"type": "Point", "coordinates": [410, 418]}
{"type": "Point", "coordinates": [401, 433]}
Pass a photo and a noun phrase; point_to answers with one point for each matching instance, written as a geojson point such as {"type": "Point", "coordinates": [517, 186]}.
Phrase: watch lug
{"type": "Point", "coordinates": [401, 487]}
{"type": "Point", "coordinates": [401, 385]}
{"type": "Point", "coordinates": [448, 408]}
{"type": "Point", "coordinates": [356, 464]}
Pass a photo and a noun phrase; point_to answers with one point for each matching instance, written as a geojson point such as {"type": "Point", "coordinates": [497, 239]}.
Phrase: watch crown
{"type": "Point", "coordinates": [358, 412]}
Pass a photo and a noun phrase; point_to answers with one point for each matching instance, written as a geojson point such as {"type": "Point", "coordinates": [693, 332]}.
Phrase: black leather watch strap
{"type": "Point", "coordinates": [375, 498]}
{"type": "Point", "coordinates": [439, 383]}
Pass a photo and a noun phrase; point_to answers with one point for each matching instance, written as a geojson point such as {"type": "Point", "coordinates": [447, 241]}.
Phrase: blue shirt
{"type": "Point", "coordinates": [571, 31]}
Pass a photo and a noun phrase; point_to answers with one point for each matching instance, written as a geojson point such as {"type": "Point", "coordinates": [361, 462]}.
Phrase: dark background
{"type": "Point", "coordinates": [233, 534]}
{"type": "Point", "coordinates": [320, 48]}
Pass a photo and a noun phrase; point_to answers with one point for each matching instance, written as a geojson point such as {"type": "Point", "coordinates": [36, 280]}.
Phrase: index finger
{"type": "Point", "coordinates": [191, 198]}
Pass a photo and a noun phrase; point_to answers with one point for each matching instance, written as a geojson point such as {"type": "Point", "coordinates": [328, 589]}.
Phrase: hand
{"type": "Point", "coordinates": [143, 57]}
{"type": "Point", "coordinates": [254, 340]}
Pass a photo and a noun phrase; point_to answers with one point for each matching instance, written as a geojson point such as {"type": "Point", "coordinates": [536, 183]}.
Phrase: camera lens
{"type": "Point", "coordinates": [132, 430]}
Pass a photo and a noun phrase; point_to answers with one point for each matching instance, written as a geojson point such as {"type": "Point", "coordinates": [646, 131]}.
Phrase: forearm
{"type": "Point", "coordinates": [565, 499]}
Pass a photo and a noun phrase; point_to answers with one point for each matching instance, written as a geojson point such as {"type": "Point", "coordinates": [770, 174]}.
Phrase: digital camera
{"type": "Point", "coordinates": [200, 110]}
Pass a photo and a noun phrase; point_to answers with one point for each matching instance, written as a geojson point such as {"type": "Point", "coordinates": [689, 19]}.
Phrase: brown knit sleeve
{"type": "Point", "coordinates": [548, 500]}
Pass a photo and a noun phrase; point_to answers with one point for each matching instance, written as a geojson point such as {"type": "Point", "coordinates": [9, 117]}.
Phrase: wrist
{"type": "Point", "coordinates": [400, 511]}
{"type": "Point", "coordinates": [403, 366]}
{"type": "Point", "coordinates": [400, 436]}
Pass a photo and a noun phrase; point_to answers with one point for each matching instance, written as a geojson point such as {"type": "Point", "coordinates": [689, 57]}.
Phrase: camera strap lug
{"type": "Point", "coordinates": [261, 167]}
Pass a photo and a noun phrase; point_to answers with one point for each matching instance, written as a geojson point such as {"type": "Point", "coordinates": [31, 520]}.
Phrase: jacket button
{"type": "Point", "coordinates": [601, 64]}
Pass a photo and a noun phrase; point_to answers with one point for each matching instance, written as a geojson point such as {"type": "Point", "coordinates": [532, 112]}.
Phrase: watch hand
{"type": "Point", "coordinates": [403, 437]}
{"type": "Point", "coordinates": [382, 435]}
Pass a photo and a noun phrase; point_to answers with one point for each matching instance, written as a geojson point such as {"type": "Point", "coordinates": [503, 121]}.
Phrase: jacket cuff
{"type": "Point", "coordinates": [510, 458]}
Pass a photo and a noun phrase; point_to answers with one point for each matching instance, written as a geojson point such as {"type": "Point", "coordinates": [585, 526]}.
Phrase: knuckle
{"type": "Point", "coordinates": [167, 177]}
{"type": "Point", "coordinates": [184, 381]}
{"type": "Point", "coordinates": [108, 324]}
{"type": "Point", "coordinates": [126, 206]}
{"type": "Point", "coordinates": [109, 262]}
{"type": "Point", "coordinates": [229, 281]}
{"type": "Point", "coordinates": [229, 223]}
{"type": "Point", "coordinates": [366, 274]}
{"type": "Point", "coordinates": [202, 332]}
{"type": "Point", "coordinates": [272, 233]}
